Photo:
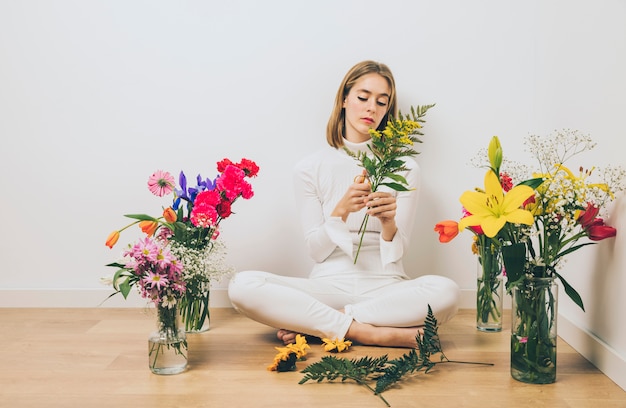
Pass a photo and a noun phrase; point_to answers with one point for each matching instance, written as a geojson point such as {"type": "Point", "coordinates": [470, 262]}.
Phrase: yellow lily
{"type": "Point", "coordinates": [492, 209]}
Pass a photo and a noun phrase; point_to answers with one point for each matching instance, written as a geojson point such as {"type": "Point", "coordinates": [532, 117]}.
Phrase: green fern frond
{"type": "Point", "coordinates": [330, 368]}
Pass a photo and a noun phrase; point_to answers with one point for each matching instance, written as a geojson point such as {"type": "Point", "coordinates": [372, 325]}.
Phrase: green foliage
{"type": "Point", "coordinates": [382, 370]}
{"type": "Point", "coordinates": [389, 146]}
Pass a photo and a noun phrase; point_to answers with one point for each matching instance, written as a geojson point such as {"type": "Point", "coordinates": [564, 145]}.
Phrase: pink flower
{"type": "Point", "coordinates": [207, 198]}
{"type": "Point", "coordinates": [231, 182]}
{"type": "Point", "coordinates": [155, 279]}
{"type": "Point", "coordinates": [204, 216]}
{"type": "Point", "coordinates": [161, 183]}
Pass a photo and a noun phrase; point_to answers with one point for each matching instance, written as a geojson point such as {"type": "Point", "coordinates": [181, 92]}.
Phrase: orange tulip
{"type": "Point", "coordinates": [148, 227]}
{"type": "Point", "coordinates": [447, 230]}
{"type": "Point", "coordinates": [169, 214]}
{"type": "Point", "coordinates": [112, 239]}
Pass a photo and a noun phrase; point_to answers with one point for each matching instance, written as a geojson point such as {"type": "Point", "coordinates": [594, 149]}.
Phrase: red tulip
{"type": "Point", "coordinates": [600, 231]}
{"type": "Point", "coordinates": [587, 217]}
{"type": "Point", "coordinates": [447, 230]}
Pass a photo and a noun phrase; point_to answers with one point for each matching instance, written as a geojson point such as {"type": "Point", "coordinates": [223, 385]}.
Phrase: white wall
{"type": "Point", "coordinates": [96, 95]}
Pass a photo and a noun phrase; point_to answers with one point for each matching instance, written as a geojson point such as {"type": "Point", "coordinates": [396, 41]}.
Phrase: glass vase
{"type": "Point", "coordinates": [533, 331]}
{"type": "Point", "coordinates": [489, 304]}
{"type": "Point", "coordinates": [167, 346]}
{"type": "Point", "coordinates": [194, 311]}
{"type": "Point", "coordinates": [489, 293]}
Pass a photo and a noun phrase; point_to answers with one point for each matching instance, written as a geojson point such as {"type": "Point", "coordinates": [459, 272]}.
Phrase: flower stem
{"type": "Point", "coordinates": [362, 232]}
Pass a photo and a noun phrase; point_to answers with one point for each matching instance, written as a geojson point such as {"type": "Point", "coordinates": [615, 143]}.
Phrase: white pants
{"type": "Point", "coordinates": [310, 305]}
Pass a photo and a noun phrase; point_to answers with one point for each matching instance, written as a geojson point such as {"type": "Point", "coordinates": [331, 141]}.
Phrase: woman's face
{"type": "Point", "coordinates": [365, 106]}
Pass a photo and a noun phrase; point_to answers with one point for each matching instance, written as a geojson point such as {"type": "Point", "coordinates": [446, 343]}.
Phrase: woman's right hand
{"type": "Point", "coordinates": [354, 198]}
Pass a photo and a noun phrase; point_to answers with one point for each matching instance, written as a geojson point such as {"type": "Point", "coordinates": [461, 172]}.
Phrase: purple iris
{"type": "Point", "coordinates": [189, 194]}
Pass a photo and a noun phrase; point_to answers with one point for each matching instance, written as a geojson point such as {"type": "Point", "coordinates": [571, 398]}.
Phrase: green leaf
{"type": "Point", "coordinates": [574, 248]}
{"type": "Point", "coordinates": [125, 287]}
{"type": "Point", "coordinates": [533, 183]}
{"type": "Point", "coordinates": [116, 265]}
{"type": "Point", "coordinates": [396, 177]}
{"type": "Point", "coordinates": [571, 292]}
{"type": "Point", "coordinates": [514, 257]}
{"type": "Point", "coordinates": [141, 217]}
{"type": "Point", "coordinates": [396, 186]}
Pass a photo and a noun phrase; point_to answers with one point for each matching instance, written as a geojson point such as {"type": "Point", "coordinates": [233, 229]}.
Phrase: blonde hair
{"type": "Point", "coordinates": [336, 124]}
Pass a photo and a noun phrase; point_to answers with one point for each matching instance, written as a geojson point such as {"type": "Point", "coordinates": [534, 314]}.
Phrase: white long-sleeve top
{"type": "Point", "coordinates": [321, 180]}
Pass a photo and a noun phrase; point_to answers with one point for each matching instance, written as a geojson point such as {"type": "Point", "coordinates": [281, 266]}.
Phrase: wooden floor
{"type": "Point", "coordinates": [98, 358]}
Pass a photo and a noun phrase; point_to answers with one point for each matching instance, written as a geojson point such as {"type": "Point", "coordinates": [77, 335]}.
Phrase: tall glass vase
{"type": "Point", "coordinates": [167, 346]}
{"type": "Point", "coordinates": [489, 293]}
{"type": "Point", "coordinates": [533, 331]}
{"type": "Point", "coordinates": [194, 310]}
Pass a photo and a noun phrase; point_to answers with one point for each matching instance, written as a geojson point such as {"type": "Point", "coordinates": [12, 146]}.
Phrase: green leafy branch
{"type": "Point", "coordinates": [383, 371]}
{"type": "Point", "coordinates": [384, 162]}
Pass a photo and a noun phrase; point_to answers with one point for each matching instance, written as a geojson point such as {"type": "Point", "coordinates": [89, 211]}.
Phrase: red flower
{"type": "Point", "coordinates": [221, 165]}
{"type": "Point", "coordinates": [447, 230]}
{"type": "Point", "coordinates": [506, 182]}
{"type": "Point", "coordinates": [224, 209]}
{"type": "Point", "coordinates": [600, 232]}
{"type": "Point", "coordinates": [249, 167]}
{"type": "Point", "coordinates": [593, 225]}
{"type": "Point", "coordinates": [588, 216]}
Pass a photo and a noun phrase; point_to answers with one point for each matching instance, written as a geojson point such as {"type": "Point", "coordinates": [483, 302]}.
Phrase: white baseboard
{"type": "Point", "coordinates": [77, 298]}
{"type": "Point", "coordinates": [600, 354]}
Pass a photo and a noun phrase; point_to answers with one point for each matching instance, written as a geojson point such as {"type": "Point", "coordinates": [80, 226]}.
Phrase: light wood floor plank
{"type": "Point", "coordinates": [98, 358]}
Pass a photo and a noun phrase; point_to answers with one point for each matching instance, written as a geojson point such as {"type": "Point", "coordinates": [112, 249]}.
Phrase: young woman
{"type": "Point", "coordinates": [372, 302]}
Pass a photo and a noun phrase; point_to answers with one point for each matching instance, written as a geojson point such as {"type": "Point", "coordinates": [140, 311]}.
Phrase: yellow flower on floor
{"type": "Point", "coordinates": [336, 346]}
{"type": "Point", "coordinates": [287, 356]}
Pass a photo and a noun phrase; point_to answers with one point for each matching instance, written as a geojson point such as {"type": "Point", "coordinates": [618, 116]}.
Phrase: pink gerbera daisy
{"type": "Point", "coordinates": [155, 279]}
{"type": "Point", "coordinates": [161, 183]}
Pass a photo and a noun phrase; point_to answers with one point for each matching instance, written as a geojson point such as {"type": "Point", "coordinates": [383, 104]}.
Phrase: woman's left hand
{"type": "Point", "coordinates": [381, 205]}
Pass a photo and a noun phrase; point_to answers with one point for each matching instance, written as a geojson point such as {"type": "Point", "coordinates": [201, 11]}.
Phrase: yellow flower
{"type": "Point", "coordinates": [336, 345]}
{"type": "Point", "coordinates": [286, 358]}
{"type": "Point", "coordinates": [300, 346]}
{"type": "Point", "coordinates": [492, 209]}
{"type": "Point", "coordinates": [495, 153]}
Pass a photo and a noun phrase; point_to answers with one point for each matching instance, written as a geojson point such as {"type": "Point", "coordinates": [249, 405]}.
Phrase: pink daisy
{"type": "Point", "coordinates": [154, 279]}
{"type": "Point", "coordinates": [161, 183]}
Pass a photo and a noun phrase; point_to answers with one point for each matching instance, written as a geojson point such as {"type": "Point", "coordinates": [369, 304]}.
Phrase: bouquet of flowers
{"type": "Point", "coordinates": [157, 273]}
{"type": "Point", "coordinates": [189, 229]}
{"type": "Point", "coordinates": [536, 231]}
{"type": "Point", "coordinates": [495, 206]}
{"type": "Point", "coordinates": [384, 165]}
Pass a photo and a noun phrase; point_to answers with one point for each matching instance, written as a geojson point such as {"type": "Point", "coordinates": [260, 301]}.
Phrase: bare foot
{"type": "Point", "coordinates": [286, 336]}
{"type": "Point", "coordinates": [369, 335]}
